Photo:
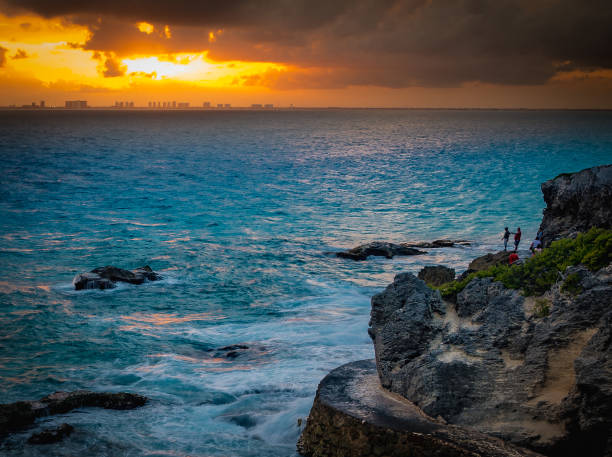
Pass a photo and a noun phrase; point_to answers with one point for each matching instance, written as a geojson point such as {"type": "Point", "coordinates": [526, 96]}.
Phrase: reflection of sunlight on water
{"type": "Point", "coordinates": [176, 240]}
{"type": "Point", "coordinates": [25, 312]}
{"type": "Point", "coordinates": [166, 319]}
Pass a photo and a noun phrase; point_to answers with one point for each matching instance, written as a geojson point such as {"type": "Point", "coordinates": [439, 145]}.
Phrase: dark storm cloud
{"type": "Point", "coordinates": [362, 42]}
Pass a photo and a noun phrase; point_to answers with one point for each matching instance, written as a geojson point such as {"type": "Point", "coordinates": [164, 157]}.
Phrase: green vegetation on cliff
{"type": "Point", "coordinates": [537, 274]}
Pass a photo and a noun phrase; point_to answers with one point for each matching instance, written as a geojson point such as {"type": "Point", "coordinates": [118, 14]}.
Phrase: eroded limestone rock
{"type": "Point", "coordinates": [353, 416]}
{"type": "Point", "coordinates": [492, 363]}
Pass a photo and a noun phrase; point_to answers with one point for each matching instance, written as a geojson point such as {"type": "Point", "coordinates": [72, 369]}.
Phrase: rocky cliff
{"type": "Point", "coordinates": [534, 371]}
{"type": "Point", "coordinates": [524, 355]}
{"type": "Point", "coordinates": [575, 202]}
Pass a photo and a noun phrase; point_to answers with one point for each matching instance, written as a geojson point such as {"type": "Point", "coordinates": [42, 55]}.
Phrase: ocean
{"type": "Point", "coordinates": [239, 211]}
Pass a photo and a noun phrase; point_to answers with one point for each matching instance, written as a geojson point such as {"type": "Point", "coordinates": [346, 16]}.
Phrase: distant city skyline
{"type": "Point", "coordinates": [363, 53]}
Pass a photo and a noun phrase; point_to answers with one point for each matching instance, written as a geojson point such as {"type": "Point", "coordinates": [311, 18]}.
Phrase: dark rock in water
{"type": "Point", "coordinates": [437, 275]}
{"type": "Point", "coordinates": [243, 420]}
{"type": "Point", "coordinates": [353, 416]}
{"type": "Point", "coordinates": [439, 244]}
{"type": "Point", "coordinates": [137, 276]}
{"type": "Point", "coordinates": [379, 249]}
{"type": "Point", "coordinates": [576, 202]}
{"type": "Point", "coordinates": [496, 363]}
{"type": "Point", "coordinates": [235, 351]}
{"type": "Point", "coordinates": [91, 281]}
{"type": "Point", "coordinates": [106, 277]}
{"type": "Point", "coordinates": [51, 435]}
{"type": "Point", "coordinates": [14, 416]}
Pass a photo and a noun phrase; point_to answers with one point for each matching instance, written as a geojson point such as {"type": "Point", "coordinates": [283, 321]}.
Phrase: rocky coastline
{"type": "Point", "coordinates": [23, 414]}
{"type": "Point", "coordinates": [500, 361]}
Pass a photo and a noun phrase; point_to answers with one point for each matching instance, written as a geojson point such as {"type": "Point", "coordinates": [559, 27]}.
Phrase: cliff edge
{"type": "Point", "coordinates": [522, 354]}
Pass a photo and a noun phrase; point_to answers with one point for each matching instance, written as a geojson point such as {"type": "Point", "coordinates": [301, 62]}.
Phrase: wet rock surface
{"type": "Point", "coordinates": [492, 363]}
{"type": "Point", "coordinates": [354, 416]}
{"type": "Point", "coordinates": [390, 250]}
{"type": "Point", "coordinates": [444, 243]}
{"type": "Point", "coordinates": [51, 435]}
{"type": "Point", "coordinates": [378, 249]}
{"type": "Point", "coordinates": [575, 202]}
{"type": "Point", "coordinates": [235, 351]}
{"type": "Point", "coordinates": [18, 415]}
{"type": "Point", "coordinates": [437, 275]}
{"type": "Point", "coordinates": [106, 277]}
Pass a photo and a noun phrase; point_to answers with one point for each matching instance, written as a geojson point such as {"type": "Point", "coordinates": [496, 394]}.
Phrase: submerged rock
{"type": "Point", "coordinates": [235, 351]}
{"type": "Point", "coordinates": [353, 416]}
{"type": "Point", "coordinates": [437, 275]}
{"type": "Point", "coordinates": [444, 243]}
{"type": "Point", "coordinates": [575, 202]}
{"type": "Point", "coordinates": [379, 249]}
{"type": "Point", "coordinates": [51, 435]}
{"type": "Point", "coordinates": [536, 372]}
{"type": "Point", "coordinates": [14, 416]}
{"type": "Point", "coordinates": [106, 277]}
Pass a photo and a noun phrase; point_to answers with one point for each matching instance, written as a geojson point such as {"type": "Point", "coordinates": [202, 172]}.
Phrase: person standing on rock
{"type": "Point", "coordinates": [517, 239]}
{"type": "Point", "coordinates": [506, 237]}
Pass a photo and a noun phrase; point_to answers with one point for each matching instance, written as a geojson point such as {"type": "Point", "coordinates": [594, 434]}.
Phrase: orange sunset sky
{"type": "Point", "coordinates": [361, 53]}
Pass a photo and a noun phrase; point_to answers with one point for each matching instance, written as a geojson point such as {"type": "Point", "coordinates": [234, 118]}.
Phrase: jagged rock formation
{"type": "Point", "coordinates": [491, 363]}
{"type": "Point", "coordinates": [437, 275]}
{"type": "Point", "coordinates": [15, 416]}
{"type": "Point", "coordinates": [353, 416]}
{"type": "Point", "coordinates": [380, 249]}
{"type": "Point", "coordinates": [533, 371]}
{"type": "Point", "coordinates": [106, 277]}
{"type": "Point", "coordinates": [575, 202]}
{"type": "Point", "coordinates": [390, 250]}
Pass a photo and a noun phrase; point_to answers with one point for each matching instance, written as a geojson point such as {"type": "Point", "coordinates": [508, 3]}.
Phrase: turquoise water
{"type": "Point", "coordinates": [237, 210]}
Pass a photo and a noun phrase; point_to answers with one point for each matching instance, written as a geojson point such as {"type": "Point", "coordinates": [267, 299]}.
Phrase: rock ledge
{"type": "Point", "coordinates": [353, 415]}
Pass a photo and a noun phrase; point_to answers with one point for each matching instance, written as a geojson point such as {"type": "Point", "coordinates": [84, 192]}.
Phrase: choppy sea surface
{"type": "Point", "coordinates": [237, 210]}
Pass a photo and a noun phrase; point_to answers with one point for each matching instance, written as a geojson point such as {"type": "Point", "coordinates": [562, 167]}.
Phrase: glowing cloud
{"type": "Point", "coordinates": [145, 27]}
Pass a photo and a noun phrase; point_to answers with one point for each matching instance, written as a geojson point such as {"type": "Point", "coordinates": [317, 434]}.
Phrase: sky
{"type": "Point", "coordinates": [311, 53]}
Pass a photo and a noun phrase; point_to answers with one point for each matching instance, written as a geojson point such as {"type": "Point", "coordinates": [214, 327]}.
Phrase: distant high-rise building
{"type": "Point", "coordinates": [227, 105]}
{"type": "Point", "coordinates": [183, 105]}
{"type": "Point", "coordinates": [268, 105]}
{"type": "Point", "coordinates": [42, 103]}
{"type": "Point", "coordinates": [256, 105]}
{"type": "Point", "coordinates": [164, 104]}
{"type": "Point", "coordinates": [174, 104]}
{"type": "Point", "coordinates": [206, 104]}
{"type": "Point", "coordinates": [131, 104]}
{"type": "Point", "coordinates": [219, 105]}
{"type": "Point", "coordinates": [76, 104]}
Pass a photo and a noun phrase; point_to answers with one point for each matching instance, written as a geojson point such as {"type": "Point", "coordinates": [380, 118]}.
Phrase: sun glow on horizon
{"type": "Point", "coordinates": [53, 53]}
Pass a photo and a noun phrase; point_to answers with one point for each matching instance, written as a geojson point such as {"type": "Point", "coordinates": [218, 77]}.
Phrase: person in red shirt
{"type": "Point", "coordinates": [512, 258]}
{"type": "Point", "coordinates": [517, 239]}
